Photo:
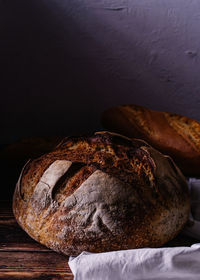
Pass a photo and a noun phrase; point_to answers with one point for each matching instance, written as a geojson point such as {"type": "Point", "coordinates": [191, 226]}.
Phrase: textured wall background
{"type": "Point", "coordinates": [62, 62]}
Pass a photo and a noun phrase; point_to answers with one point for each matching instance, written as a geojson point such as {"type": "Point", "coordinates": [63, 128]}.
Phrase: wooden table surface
{"type": "Point", "coordinates": [23, 258]}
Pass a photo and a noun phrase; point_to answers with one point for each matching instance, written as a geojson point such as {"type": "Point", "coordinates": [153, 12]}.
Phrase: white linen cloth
{"type": "Point", "coordinates": [148, 263]}
{"type": "Point", "coordinates": [139, 264]}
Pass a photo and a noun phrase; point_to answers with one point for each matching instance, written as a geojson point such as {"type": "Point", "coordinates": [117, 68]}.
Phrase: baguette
{"type": "Point", "coordinates": [172, 134]}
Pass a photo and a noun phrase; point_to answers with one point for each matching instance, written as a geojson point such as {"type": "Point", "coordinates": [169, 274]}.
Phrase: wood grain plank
{"type": "Point", "coordinates": [35, 276]}
{"type": "Point", "coordinates": [33, 262]}
{"type": "Point", "coordinates": [34, 265]}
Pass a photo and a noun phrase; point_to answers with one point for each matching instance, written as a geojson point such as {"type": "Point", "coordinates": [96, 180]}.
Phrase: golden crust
{"type": "Point", "coordinates": [101, 193]}
{"type": "Point", "coordinates": [171, 134]}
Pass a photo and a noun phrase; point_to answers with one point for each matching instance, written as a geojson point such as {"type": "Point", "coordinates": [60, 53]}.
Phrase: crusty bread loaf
{"type": "Point", "coordinates": [101, 193]}
{"type": "Point", "coordinates": [171, 134]}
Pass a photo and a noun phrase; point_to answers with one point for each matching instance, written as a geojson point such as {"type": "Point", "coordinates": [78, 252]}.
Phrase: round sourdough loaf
{"type": "Point", "coordinates": [101, 193]}
{"type": "Point", "coordinates": [172, 134]}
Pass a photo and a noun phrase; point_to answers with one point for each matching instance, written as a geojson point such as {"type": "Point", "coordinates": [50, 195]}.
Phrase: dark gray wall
{"type": "Point", "coordinates": [62, 62]}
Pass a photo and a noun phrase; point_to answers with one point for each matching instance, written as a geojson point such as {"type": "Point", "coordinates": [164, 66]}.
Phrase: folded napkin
{"type": "Point", "coordinates": [148, 263]}
{"type": "Point", "coordinates": [141, 264]}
